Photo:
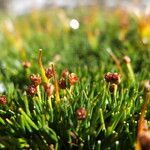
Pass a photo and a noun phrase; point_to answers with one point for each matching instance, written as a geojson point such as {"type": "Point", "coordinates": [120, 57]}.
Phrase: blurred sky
{"type": "Point", "coordinates": [19, 7]}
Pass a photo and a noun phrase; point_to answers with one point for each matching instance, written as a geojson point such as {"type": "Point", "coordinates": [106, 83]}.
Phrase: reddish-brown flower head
{"type": "Point", "coordinates": [65, 73]}
{"type": "Point", "coordinates": [112, 77]}
{"type": "Point", "coordinates": [32, 90]}
{"type": "Point", "coordinates": [3, 100]}
{"type": "Point", "coordinates": [81, 113]}
{"type": "Point", "coordinates": [49, 72]}
{"type": "Point", "coordinates": [49, 89]}
{"type": "Point", "coordinates": [35, 79]}
{"type": "Point", "coordinates": [73, 78]}
{"type": "Point", "coordinates": [26, 64]}
{"type": "Point", "coordinates": [62, 83]}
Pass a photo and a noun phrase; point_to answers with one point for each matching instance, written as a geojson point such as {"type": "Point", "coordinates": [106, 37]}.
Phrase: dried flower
{"type": "Point", "coordinates": [26, 64]}
{"type": "Point", "coordinates": [3, 100]}
{"type": "Point", "coordinates": [73, 78]}
{"type": "Point", "coordinates": [144, 140]}
{"type": "Point", "coordinates": [35, 79]}
{"type": "Point", "coordinates": [65, 73]}
{"type": "Point", "coordinates": [81, 113]}
{"type": "Point", "coordinates": [49, 89]}
{"type": "Point", "coordinates": [62, 83]}
{"type": "Point", "coordinates": [49, 72]}
{"type": "Point", "coordinates": [112, 78]}
{"type": "Point", "coordinates": [126, 59]}
{"type": "Point", "coordinates": [32, 90]}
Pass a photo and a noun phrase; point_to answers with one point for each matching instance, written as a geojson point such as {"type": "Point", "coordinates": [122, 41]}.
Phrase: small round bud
{"type": "Point", "coordinates": [65, 73]}
{"type": "Point", "coordinates": [51, 147]}
{"type": "Point", "coordinates": [49, 89]}
{"type": "Point", "coordinates": [3, 100]}
{"type": "Point", "coordinates": [81, 113]}
{"type": "Point", "coordinates": [26, 64]}
{"type": "Point", "coordinates": [126, 59]}
{"type": "Point", "coordinates": [73, 78]}
{"type": "Point", "coordinates": [147, 86]}
{"type": "Point", "coordinates": [35, 79]}
{"type": "Point", "coordinates": [49, 72]}
{"type": "Point", "coordinates": [32, 90]}
{"type": "Point", "coordinates": [62, 83]}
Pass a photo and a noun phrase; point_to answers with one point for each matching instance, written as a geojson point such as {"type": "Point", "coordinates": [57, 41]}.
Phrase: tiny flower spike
{"type": "Point", "coordinates": [65, 73]}
{"type": "Point", "coordinates": [49, 72]}
{"type": "Point", "coordinates": [143, 135]}
{"type": "Point", "coordinates": [81, 113]}
{"type": "Point", "coordinates": [62, 84]}
{"type": "Point", "coordinates": [3, 100]}
{"type": "Point", "coordinates": [49, 89]}
{"type": "Point", "coordinates": [73, 79]}
{"type": "Point", "coordinates": [41, 67]}
{"type": "Point", "coordinates": [32, 90]}
{"type": "Point", "coordinates": [26, 64]}
{"type": "Point", "coordinates": [112, 78]}
{"type": "Point", "coordinates": [56, 86]}
{"type": "Point", "coordinates": [35, 79]}
{"type": "Point", "coordinates": [127, 61]}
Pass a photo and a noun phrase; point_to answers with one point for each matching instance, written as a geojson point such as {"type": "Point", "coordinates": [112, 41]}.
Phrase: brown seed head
{"type": "Point", "coordinates": [65, 73]}
{"type": "Point", "coordinates": [26, 64]}
{"type": "Point", "coordinates": [81, 113]}
{"type": "Point", "coordinates": [3, 100]}
{"type": "Point", "coordinates": [49, 72]}
{"type": "Point", "coordinates": [32, 90]}
{"type": "Point", "coordinates": [49, 89]}
{"type": "Point", "coordinates": [73, 78]}
{"type": "Point", "coordinates": [62, 83]}
{"type": "Point", "coordinates": [35, 79]}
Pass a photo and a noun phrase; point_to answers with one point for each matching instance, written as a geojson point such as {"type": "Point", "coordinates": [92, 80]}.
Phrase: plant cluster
{"type": "Point", "coordinates": [99, 102]}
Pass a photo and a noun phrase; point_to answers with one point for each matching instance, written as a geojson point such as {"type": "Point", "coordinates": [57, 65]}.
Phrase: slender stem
{"type": "Point", "coordinates": [98, 145]}
{"type": "Point", "coordinates": [56, 86]}
{"type": "Point", "coordinates": [39, 93]}
{"type": "Point", "coordinates": [116, 60]}
{"type": "Point", "coordinates": [141, 120]}
{"type": "Point", "coordinates": [50, 103]}
{"type": "Point", "coordinates": [131, 73]}
{"type": "Point", "coordinates": [41, 66]}
{"type": "Point", "coordinates": [143, 110]}
{"type": "Point", "coordinates": [78, 125]}
{"type": "Point", "coordinates": [51, 108]}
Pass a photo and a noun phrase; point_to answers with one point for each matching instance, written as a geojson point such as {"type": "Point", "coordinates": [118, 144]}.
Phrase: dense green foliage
{"type": "Point", "coordinates": [111, 123]}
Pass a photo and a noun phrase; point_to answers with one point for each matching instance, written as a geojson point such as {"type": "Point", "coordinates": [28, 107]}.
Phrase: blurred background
{"type": "Point", "coordinates": [19, 7]}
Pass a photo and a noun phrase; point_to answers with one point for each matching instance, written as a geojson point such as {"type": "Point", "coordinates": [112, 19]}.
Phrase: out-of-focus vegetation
{"type": "Point", "coordinates": [95, 48]}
